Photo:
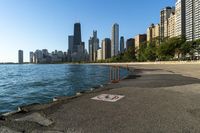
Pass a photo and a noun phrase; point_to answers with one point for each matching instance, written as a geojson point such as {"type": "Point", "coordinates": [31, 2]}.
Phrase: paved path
{"type": "Point", "coordinates": [158, 99]}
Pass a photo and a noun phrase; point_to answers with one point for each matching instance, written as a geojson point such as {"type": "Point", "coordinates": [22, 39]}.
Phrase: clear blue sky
{"type": "Point", "coordinates": [39, 24]}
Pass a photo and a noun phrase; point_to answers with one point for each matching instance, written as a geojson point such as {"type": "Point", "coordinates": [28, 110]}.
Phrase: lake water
{"type": "Point", "coordinates": [27, 84]}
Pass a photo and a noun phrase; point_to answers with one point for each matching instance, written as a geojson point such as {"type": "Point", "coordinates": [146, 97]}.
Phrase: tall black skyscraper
{"type": "Point", "coordinates": [77, 37]}
{"type": "Point", "coordinates": [121, 44]}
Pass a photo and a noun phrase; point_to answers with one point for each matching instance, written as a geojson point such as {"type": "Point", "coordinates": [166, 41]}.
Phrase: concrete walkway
{"type": "Point", "coordinates": [158, 99]}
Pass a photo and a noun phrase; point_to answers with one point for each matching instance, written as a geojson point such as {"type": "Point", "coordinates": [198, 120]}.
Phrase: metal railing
{"type": "Point", "coordinates": [114, 74]}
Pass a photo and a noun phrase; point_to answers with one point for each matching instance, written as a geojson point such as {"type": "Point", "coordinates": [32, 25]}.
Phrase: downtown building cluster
{"type": "Point", "coordinates": [107, 48]}
{"type": "Point", "coordinates": [75, 53]}
{"type": "Point", "coordinates": [76, 48]}
{"type": "Point", "coordinates": [98, 50]}
{"type": "Point", "coordinates": [43, 56]}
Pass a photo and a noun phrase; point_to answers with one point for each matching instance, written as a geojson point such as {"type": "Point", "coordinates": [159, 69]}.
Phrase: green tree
{"type": "Point", "coordinates": [150, 52]}
{"type": "Point", "coordinates": [170, 47]}
{"type": "Point", "coordinates": [142, 53]}
{"type": "Point", "coordinates": [129, 55]}
{"type": "Point", "coordinates": [185, 48]}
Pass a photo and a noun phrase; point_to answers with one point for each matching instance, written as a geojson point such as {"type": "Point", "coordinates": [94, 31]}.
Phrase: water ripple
{"type": "Point", "coordinates": [27, 84]}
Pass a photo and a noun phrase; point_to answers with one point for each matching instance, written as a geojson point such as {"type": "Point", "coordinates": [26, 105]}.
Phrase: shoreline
{"type": "Point", "coordinates": [93, 89]}
{"type": "Point", "coordinates": [112, 63]}
{"type": "Point", "coordinates": [158, 98]}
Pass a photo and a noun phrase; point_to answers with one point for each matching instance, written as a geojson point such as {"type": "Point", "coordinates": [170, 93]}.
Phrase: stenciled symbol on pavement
{"type": "Point", "coordinates": [108, 97]}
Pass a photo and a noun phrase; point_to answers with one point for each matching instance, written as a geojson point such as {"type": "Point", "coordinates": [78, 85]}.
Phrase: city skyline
{"type": "Point", "coordinates": [31, 25]}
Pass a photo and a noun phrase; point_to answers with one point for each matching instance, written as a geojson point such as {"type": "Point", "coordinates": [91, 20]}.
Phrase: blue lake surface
{"type": "Point", "coordinates": [27, 84]}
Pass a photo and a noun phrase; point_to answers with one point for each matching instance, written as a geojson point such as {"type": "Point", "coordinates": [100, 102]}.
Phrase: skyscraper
{"type": "Point", "coordinates": [76, 46]}
{"type": "Point", "coordinates": [140, 40]}
{"type": "Point", "coordinates": [115, 40]}
{"type": "Point", "coordinates": [93, 46]}
{"type": "Point", "coordinates": [150, 33]}
{"type": "Point", "coordinates": [130, 43]}
{"type": "Point", "coordinates": [70, 44]}
{"type": "Point", "coordinates": [192, 21]}
{"type": "Point", "coordinates": [180, 18]}
{"type": "Point", "coordinates": [164, 15]}
{"type": "Point", "coordinates": [196, 19]}
{"type": "Point", "coordinates": [77, 37]}
{"type": "Point", "coordinates": [106, 48]}
{"type": "Point", "coordinates": [31, 57]}
{"type": "Point", "coordinates": [99, 54]}
{"type": "Point", "coordinates": [130, 46]}
{"type": "Point", "coordinates": [153, 33]}
{"type": "Point", "coordinates": [20, 57]}
{"type": "Point", "coordinates": [121, 44]}
{"type": "Point", "coordinates": [90, 44]}
{"type": "Point", "coordinates": [171, 25]}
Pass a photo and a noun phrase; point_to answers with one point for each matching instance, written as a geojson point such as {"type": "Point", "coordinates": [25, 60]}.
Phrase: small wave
{"type": "Point", "coordinates": [40, 83]}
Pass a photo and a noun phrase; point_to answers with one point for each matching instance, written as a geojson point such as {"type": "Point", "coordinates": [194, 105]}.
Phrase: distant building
{"type": "Point", "coordinates": [192, 21]}
{"type": "Point", "coordinates": [43, 56]}
{"type": "Point", "coordinates": [156, 31]}
{"type": "Point", "coordinates": [90, 48]}
{"type": "Point", "coordinates": [20, 57]}
{"type": "Point", "coordinates": [38, 56]}
{"type": "Point", "coordinates": [130, 43]}
{"type": "Point", "coordinates": [81, 48]}
{"type": "Point", "coordinates": [150, 33]}
{"type": "Point", "coordinates": [93, 46]}
{"type": "Point", "coordinates": [180, 18]}
{"type": "Point", "coordinates": [121, 44]}
{"type": "Point", "coordinates": [140, 40]}
{"type": "Point", "coordinates": [77, 37]}
{"type": "Point", "coordinates": [171, 25]}
{"type": "Point", "coordinates": [106, 48]}
{"type": "Point", "coordinates": [76, 48]}
{"type": "Point", "coordinates": [115, 40]}
{"type": "Point", "coordinates": [70, 47]}
{"type": "Point", "coordinates": [99, 55]}
{"type": "Point", "coordinates": [31, 57]}
{"type": "Point", "coordinates": [70, 43]}
{"type": "Point", "coordinates": [153, 33]}
{"type": "Point", "coordinates": [164, 15]}
{"type": "Point", "coordinates": [45, 53]}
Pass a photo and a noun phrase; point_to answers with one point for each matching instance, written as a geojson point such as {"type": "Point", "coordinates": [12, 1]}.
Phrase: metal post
{"type": "Point", "coordinates": [115, 73]}
{"type": "Point", "coordinates": [118, 73]}
{"type": "Point", "coordinates": [110, 73]}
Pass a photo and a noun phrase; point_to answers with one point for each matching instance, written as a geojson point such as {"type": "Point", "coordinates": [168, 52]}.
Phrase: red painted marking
{"type": "Point", "coordinates": [115, 97]}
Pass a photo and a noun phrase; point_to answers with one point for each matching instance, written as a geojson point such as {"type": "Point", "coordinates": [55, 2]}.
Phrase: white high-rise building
{"type": "Point", "coordinates": [180, 18]}
{"type": "Point", "coordinates": [115, 40]}
{"type": "Point", "coordinates": [196, 19]}
{"type": "Point", "coordinates": [192, 9]}
{"type": "Point", "coordinates": [171, 25]}
{"type": "Point", "coordinates": [99, 54]}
